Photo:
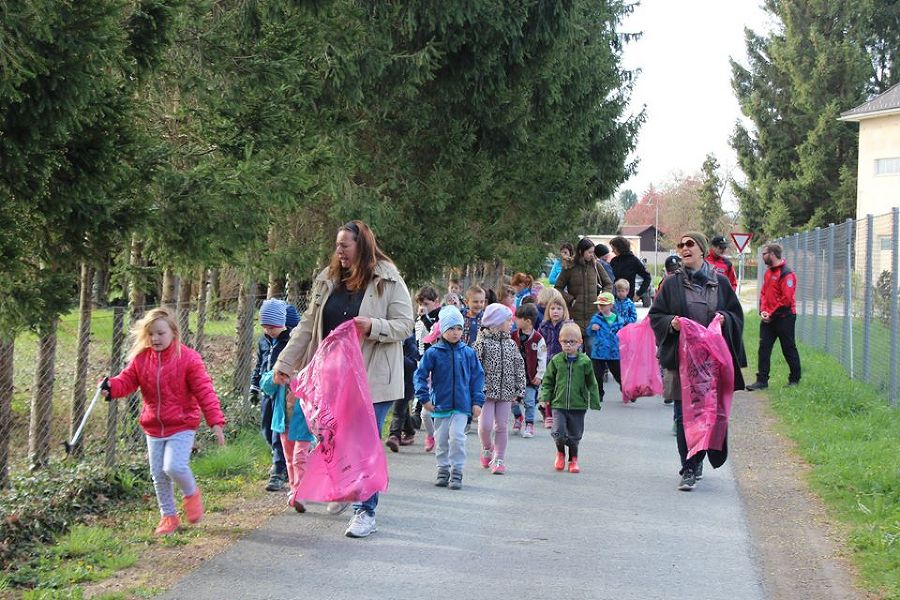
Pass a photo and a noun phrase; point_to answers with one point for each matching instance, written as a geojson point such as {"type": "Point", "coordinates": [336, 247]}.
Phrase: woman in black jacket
{"type": "Point", "coordinates": [627, 266]}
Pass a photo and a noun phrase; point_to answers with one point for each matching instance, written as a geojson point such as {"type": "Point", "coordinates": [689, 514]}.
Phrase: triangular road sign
{"type": "Point", "coordinates": [741, 240]}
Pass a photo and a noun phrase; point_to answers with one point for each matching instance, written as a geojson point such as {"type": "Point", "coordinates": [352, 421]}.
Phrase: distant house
{"type": "Point", "coordinates": [878, 179]}
{"type": "Point", "coordinates": [647, 235]}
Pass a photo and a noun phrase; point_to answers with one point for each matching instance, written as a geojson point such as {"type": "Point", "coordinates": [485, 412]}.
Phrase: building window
{"type": "Point", "coordinates": [887, 166]}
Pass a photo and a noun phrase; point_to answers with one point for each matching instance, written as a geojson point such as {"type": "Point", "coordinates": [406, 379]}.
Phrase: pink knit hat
{"type": "Point", "coordinates": [495, 315]}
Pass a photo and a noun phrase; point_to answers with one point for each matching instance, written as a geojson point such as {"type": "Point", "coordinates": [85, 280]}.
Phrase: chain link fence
{"type": "Point", "coordinates": [847, 295]}
{"type": "Point", "coordinates": [48, 382]}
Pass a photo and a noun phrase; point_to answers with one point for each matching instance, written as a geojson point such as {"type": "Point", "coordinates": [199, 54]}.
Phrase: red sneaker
{"type": "Point", "coordinates": [168, 524]}
{"type": "Point", "coordinates": [560, 463]}
{"type": "Point", "coordinates": [193, 507]}
{"type": "Point", "coordinates": [573, 466]}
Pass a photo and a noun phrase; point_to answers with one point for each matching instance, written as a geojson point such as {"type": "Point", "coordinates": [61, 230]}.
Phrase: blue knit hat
{"type": "Point", "coordinates": [293, 317]}
{"type": "Point", "coordinates": [273, 312]}
{"type": "Point", "coordinates": [450, 317]}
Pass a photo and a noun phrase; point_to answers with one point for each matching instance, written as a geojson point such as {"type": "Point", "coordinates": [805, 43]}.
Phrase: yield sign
{"type": "Point", "coordinates": [741, 240]}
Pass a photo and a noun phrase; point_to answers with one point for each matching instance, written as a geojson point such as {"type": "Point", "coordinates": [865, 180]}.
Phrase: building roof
{"type": "Point", "coordinates": [887, 103]}
{"type": "Point", "coordinates": [634, 229]}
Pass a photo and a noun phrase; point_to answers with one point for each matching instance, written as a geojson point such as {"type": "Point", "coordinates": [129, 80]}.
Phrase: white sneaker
{"type": "Point", "coordinates": [361, 525]}
{"type": "Point", "coordinates": [336, 508]}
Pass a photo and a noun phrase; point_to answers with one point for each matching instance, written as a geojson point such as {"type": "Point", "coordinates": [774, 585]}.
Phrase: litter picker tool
{"type": "Point", "coordinates": [70, 445]}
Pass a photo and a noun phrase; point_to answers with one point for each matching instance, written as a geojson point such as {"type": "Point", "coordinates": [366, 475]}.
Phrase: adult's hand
{"type": "Point", "coordinates": [280, 378]}
{"type": "Point", "coordinates": [676, 323]}
{"type": "Point", "coordinates": [363, 325]}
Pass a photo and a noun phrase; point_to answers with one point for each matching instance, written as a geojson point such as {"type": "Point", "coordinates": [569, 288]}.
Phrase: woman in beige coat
{"type": "Point", "coordinates": [362, 284]}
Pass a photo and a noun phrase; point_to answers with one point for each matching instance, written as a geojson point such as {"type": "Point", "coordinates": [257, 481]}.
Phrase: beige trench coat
{"type": "Point", "coordinates": [392, 322]}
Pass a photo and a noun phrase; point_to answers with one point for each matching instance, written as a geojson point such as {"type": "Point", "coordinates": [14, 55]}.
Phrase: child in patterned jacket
{"type": "Point", "coordinates": [504, 383]}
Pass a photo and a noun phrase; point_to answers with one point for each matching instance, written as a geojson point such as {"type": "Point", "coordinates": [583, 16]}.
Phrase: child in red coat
{"type": "Point", "coordinates": [175, 388]}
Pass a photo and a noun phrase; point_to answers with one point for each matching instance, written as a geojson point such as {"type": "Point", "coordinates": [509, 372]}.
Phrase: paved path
{"type": "Point", "coordinates": [619, 530]}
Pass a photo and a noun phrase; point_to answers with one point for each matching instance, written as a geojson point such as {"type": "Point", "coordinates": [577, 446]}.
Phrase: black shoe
{"type": "Point", "coordinates": [443, 477]}
{"type": "Point", "coordinates": [688, 481]}
{"type": "Point", "coordinates": [276, 482]}
{"type": "Point", "coordinates": [455, 480]}
{"type": "Point", "coordinates": [393, 442]}
{"type": "Point", "coordinates": [793, 383]}
{"type": "Point", "coordinates": [759, 385]}
{"type": "Point", "coordinates": [668, 401]}
{"type": "Point", "coordinates": [698, 472]}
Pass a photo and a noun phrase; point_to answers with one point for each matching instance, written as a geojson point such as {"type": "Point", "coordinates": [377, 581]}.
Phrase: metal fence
{"type": "Point", "coordinates": [847, 295]}
{"type": "Point", "coordinates": [47, 382]}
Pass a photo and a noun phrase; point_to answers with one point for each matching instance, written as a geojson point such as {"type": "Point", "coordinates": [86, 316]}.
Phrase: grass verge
{"type": "Point", "coordinates": [850, 436]}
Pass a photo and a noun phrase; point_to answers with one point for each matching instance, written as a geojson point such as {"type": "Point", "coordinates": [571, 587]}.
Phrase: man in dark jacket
{"type": "Point", "coordinates": [695, 291]}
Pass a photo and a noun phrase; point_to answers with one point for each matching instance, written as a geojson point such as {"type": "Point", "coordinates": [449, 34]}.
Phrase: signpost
{"type": "Point", "coordinates": [741, 242]}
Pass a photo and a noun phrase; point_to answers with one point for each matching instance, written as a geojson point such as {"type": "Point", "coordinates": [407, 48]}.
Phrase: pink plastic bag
{"type": "Point", "coordinates": [707, 384]}
{"type": "Point", "coordinates": [348, 464]}
{"type": "Point", "coordinates": [637, 358]}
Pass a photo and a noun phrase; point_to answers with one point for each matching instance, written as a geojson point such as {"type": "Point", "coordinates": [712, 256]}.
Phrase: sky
{"type": "Point", "coordinates": [685, 83]}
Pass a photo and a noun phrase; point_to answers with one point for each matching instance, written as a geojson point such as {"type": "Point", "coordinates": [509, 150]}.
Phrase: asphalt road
{"type": "Point", "coordinates": [618, 530]}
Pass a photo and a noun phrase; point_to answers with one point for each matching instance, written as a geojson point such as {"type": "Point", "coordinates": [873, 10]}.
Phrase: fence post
{"type": "Point", "coordinates": [895, 275]}
{"type": "Point", "coordinates": [847, 345]}
{"type": "Point", "coordinates": [867, 310]}
{"type": "Point", "coordinates": [804, 313]}
{"type": "Point", "coordinates": [115, 365]}
{"type": "Point", "coordinates": [829, 287]}
{"type": "Point", "coordinates": [817, 286]}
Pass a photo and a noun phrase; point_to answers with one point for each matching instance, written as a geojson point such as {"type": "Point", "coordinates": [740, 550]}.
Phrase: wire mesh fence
{"type": "Point", "coordinates": [847, 295]}
{"type": "Point", "coordinates": [48, 381]}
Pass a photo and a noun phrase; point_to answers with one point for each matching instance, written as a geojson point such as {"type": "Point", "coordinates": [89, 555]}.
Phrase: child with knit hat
{"type": "Point", "coordinates": [504, 383]}
{"type": "Point", "coordinates": [604, 326]}
{"type": "Point", "coordinates": [273, 318]}
{"type": "Point", "coordinates": [450, 385]}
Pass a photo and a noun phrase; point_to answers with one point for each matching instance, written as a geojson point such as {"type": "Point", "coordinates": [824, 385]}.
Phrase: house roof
{"type": "Point", "coordinates": [634, 229]}
{"type": "Point", "coordinates": [887, 103]}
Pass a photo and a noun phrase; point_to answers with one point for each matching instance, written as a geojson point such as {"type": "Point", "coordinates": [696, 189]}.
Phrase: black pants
{"type": "Point", "coordinates": [601, 365]}
{"type": "Point", "coordinates": [781, 329]}
{"type": "Point", "coordinates": [686, 463]}
{"type": "Point", "coordinates": [401, 422]}
{"type": "Point", "coordinates": [568, 427]}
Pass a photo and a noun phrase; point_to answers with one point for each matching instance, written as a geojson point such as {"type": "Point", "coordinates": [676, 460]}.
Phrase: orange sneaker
{"type": "Point", "coordinates": [193, 507]}
{"type": "Point", "coordinates": [573, 466]}
{"type": "Point", "coordinates": [560, 463]}
{"type": "Point", "coordinates": [167, 524]}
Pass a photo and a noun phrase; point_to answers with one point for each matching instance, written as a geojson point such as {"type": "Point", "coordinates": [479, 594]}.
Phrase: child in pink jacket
{"type": "Point", "coordinates": [175, 388]}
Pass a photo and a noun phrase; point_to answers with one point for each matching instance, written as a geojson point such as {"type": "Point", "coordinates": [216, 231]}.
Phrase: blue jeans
{"type": "Point", "coordinates": [530, 401]}
{"type": "Point", "coordinates": [273, 439]}
{"type": "Point", "coordinates": [381, 411]}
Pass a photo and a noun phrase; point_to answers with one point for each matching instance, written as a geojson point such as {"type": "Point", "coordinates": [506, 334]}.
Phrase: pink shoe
{"type": "Point", "coordinates": [517, 424]}
{"type": "Point", "coordinates": [499, 468]}
{"type": "Point", "coordinates": [529, 430]}
{"type": "Point", "coordinates": [168, 524]}
{"type": "Point", "coordinates": [486, 456]}
{"type": "Point", "coordinates": [429, 443]}
{"type": "Point", "coordinates": [193, 507]}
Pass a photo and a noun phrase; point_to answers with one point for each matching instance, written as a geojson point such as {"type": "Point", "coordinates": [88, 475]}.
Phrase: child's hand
{"type": "Point", "coordinates": [536, 381]}
{"type": "Point", "coordinates": [428, 406]}
{"type": "Point", "coordinates": [220, 437]}
{"type": "Point", "coordinates": [476, 411]}
{"type": "Point", "coordinates": [104, 388]}
{"type": "Point", "coordinates": [595, 327]}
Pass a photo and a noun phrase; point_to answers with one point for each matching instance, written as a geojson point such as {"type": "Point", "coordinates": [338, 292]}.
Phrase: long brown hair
{"type": "Point", "coordinates": [360, 273]}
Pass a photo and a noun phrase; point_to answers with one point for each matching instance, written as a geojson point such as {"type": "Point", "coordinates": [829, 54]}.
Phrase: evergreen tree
{"type": "Point", "coordinates": [711, 189]}
{"type": "Point", "coordinates": [821, 59]}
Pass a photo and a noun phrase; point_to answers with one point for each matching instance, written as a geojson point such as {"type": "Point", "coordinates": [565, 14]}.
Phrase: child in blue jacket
{"type": "Point", "coordinates": [603, 328]}
{"type": "Point", "coordinates": [456, 391]}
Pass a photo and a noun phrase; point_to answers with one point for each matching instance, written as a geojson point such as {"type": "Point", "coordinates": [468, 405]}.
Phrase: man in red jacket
{"type": "Point", "coordinates": [778, 311]}
{"type": "Point", "coordinates": [716, 259]}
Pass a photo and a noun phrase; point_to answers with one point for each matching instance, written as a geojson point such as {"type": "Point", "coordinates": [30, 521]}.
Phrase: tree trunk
{"type": "Point", "coordinates": [6, 393]}
{"type": "Point", "coordinates": [184, 309]}
{"type": "Point", "coordinates": [243, 341]}
{"type": "Point", "coordinates": [170, 289]}
{"type": "Point", "coordinates": [215, 296]}
{"type": "Point", "coordinates": [202, 295]}
{"type": "Point", "coordinates": [293, 290]}
{"type": "Point", "coordinates": [82, 356]}
{"type": "Point", "coordinates": [276, 286]}
{"type": "Point", "coordinates": [42, 399]}
{"type": "Point", "coordinates": [100, 287]}
{"type": "Point", "coordinates": [136, 296]}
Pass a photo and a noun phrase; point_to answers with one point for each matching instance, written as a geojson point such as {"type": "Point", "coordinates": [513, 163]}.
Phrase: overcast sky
{"type": "Point", "coordinates": [685, 82]}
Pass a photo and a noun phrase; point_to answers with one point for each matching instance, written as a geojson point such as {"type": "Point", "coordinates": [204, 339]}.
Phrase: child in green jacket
{"type": "Point", "coordinates": [570, 388]}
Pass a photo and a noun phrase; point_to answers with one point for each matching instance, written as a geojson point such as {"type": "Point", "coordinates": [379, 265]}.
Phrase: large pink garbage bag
{"type": "Point", "coordinates": [348, 464]}
{"type": "Point", "coordinates": [637, 358]}
{"type": "Point", "coordinates": [707, 384]}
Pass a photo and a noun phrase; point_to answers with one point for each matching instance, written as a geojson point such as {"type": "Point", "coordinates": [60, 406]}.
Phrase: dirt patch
{"type": "Point", "coordinates": [160, 567]}
{"type": "Point", "coordinates": [799, 549]}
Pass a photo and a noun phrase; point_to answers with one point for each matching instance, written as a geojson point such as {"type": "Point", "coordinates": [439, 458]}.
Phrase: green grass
{"type": "Point", "coordinates": [850, 436]}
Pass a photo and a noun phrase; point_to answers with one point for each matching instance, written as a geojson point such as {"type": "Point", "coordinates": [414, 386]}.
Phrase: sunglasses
{"type": "Point", "coordinates": [689, 244]}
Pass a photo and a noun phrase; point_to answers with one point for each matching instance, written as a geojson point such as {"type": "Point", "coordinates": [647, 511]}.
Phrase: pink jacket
{"type": "Point", "coordinates": [175, 387]}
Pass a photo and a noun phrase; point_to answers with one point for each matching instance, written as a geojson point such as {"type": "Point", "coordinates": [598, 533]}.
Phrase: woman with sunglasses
{"type": "Point", "coordinates": [695, 291]}
{"type": "Point", "coordinates": [361, 283]}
